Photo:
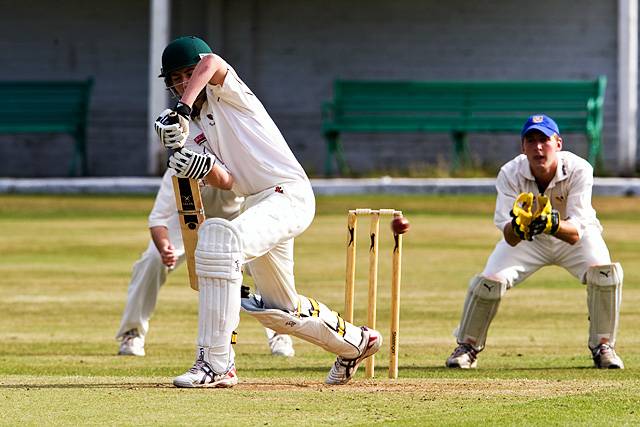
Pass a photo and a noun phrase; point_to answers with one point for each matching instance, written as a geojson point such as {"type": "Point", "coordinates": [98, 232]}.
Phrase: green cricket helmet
{"type": "Point", "coordinates": [182, 52]}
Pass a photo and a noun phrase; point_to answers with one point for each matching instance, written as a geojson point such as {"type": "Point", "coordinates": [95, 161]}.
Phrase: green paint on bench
{"type": "Point", "coordinates": [459, 108]}
{"type": "Point", "coordinates": [48, 107]}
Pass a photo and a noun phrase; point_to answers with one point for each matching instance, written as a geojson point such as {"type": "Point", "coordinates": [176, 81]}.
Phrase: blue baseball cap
{"type": "Point", "coordinates": [544, 124]}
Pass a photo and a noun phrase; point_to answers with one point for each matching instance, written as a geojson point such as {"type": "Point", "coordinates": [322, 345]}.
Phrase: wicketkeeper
{"type": "Point", "coordinates": [544, 211]}
{"type": "Point", "coordinates": [245, 152]}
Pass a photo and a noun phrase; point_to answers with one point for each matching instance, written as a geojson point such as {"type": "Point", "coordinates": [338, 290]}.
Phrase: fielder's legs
{"type": "Point", "coordinates": [147, 277]}
{"type": "Point", "coordinates": [279, 344]}
{"type": "Point", "coordinates": [604, 297]}
{"type": "Point", "coordinates": [590, 262]}
{"type": "Point", "coordinates": [506, 267]}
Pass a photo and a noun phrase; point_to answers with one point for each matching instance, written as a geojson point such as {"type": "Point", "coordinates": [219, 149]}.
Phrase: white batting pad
{"type": "Point", "coordinates": [313, 322]}
{"type": "Point", "coordinates": [219, 250]}
{"type": "Point", "coordinates": [218, 265]}
{"type": "Point", "coordinates": [480, 307]}
{"type": "Point", "coordinates": [604, 297]}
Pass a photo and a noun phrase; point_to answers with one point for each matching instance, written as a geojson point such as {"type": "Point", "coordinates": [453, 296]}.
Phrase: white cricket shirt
{"type": "Point", "coordinates": [240, 132]}
{"type": "Point", "coordinates": [569, 191]}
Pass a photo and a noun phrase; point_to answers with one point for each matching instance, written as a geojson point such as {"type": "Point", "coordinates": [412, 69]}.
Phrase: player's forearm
{"type": "Point", "coordinates": [510, 236]}
{"type": "Point", "coordinates": [219, 177]}
{"type": "Point", "coordinates": [210, 69]}
{"type": "Point", "coordinates": [567, 232]}
{"type": "Point", "coordinates": [160, 236]}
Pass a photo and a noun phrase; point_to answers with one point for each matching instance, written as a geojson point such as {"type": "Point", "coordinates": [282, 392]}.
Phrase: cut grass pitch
{"type": "Point", "coordinates": [65, 266]}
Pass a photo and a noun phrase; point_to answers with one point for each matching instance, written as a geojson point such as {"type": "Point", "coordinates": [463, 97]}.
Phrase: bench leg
{"type": "Point", "coordinates": [335, 153]}
{"type": "Point", "coordinates": [461, 156]}
{"type": "Point", "coordinates": [84, 168]}
{"type": "Point", "coordinates": [78, 165]}
{"type": "Point", "coordinates": [73, 164]}
{"type": "Point", "coordinates": [595, 151]}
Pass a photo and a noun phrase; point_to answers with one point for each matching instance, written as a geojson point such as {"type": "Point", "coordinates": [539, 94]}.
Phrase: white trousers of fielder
{"type": "Point", "coordinates": [147, 277]}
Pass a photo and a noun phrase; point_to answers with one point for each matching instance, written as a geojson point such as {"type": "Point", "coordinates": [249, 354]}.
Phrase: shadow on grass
{"type": "Point", "coordinates": [266, 384]}
{"type": "Point", "coordinates": [131, 386]}
{"type": "Point", "coordinates": [523, 369]}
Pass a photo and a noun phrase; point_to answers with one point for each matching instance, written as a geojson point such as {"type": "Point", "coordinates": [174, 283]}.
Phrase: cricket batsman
{"type": "Point", "coordinates": [544, 211]}
{"type": "Point", "coordinates": [245, 152]}
{"type": "Point", "coordinates": [164, 253]}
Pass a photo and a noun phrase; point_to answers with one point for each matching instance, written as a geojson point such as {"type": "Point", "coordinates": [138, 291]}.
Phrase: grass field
{"type": "Point", "coordinates": [64, 271]}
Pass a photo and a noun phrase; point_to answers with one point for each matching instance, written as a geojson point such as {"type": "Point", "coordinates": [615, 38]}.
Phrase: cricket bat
{"type": "Point", "coordinates": [191, 213]}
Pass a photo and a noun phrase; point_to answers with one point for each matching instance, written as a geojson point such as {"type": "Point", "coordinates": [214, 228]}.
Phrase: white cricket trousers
{"type": "Point", "coordinates": [512, 265]}
{"type": "Point", "coordinates": [269, 222]}
{"type": "Point", "coordinates": [147, 277]}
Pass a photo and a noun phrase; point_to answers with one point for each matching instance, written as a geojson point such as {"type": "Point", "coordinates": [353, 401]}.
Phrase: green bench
{"type": "Point", "coordinates": [48, 107]}
{"type": "Point", "coordinates": [459, 108]}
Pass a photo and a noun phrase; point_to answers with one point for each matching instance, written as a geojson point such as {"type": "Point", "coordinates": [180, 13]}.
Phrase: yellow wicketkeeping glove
{"type": "Point", "coordinates": [522, 216]}
{"type": "Point", "coordinates": [545, 219]}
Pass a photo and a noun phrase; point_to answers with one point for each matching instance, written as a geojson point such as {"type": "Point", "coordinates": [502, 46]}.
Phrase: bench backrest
{"type": "Point", "coordinates": [463, 106]}
{"type": "Point", "coordinates": [44, 106]}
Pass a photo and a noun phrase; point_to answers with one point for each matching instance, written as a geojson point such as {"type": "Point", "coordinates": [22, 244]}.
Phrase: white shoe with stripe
{"type": "Point", "coordinates": [344, 369]}
{"type": "Point", "coordinates": [201, 375]}
{"type": "Point", "coordinates": [605, 357]}
{"type": "Point", "coordinates": [281, 345]}
{"type": "Point", "coordinates": [132, 344]}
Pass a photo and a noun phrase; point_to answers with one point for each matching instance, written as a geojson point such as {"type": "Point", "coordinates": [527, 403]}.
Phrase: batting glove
{"type": "Point", "coordinates": [189, 164]}
{"type": "Point", "coordinates": [521, 215]}
{"type": "Point", "coordinates": [172, 126]}
{"type": "Point", "coordinates": [546, 219]}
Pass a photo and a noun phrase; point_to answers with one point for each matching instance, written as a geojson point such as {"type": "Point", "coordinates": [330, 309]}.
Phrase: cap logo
{"type": "Point", "coordinates": [537, 119]}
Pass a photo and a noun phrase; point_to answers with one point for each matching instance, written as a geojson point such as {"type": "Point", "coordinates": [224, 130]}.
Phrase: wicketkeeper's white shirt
{"type": "Point", "coordinates": [569, 191]}
{"type": "Point", "coordinates": [240, 132]}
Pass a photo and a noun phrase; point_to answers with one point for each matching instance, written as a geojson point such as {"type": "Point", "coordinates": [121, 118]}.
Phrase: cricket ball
{"type": "Point", "coordinates": [400, 225]}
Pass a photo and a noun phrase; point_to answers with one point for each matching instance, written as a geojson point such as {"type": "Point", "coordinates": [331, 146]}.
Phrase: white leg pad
{"type": "Point", "coordinates": [604, 297]}
{"type": "Point", "coordinates": [480, 307]}
{"type": "Point", "coordinates": [218, 266]}
{"type": "Point", "coordinates": [313, 322]}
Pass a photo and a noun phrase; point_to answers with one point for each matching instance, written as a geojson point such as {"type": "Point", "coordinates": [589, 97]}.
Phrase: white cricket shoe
{"type": "Point", "coordinates": [132, 344]}
{"type": "Point", "coordinates": [463, 357]}
{"type": "Point", "coordinates": [281, 345]}
{"type": "Point", "coordinates": [344, 369]}
{"type": "Point", "coordinates": [605, 357]}
{"type": "Point", "coordinates": [202, 375]}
